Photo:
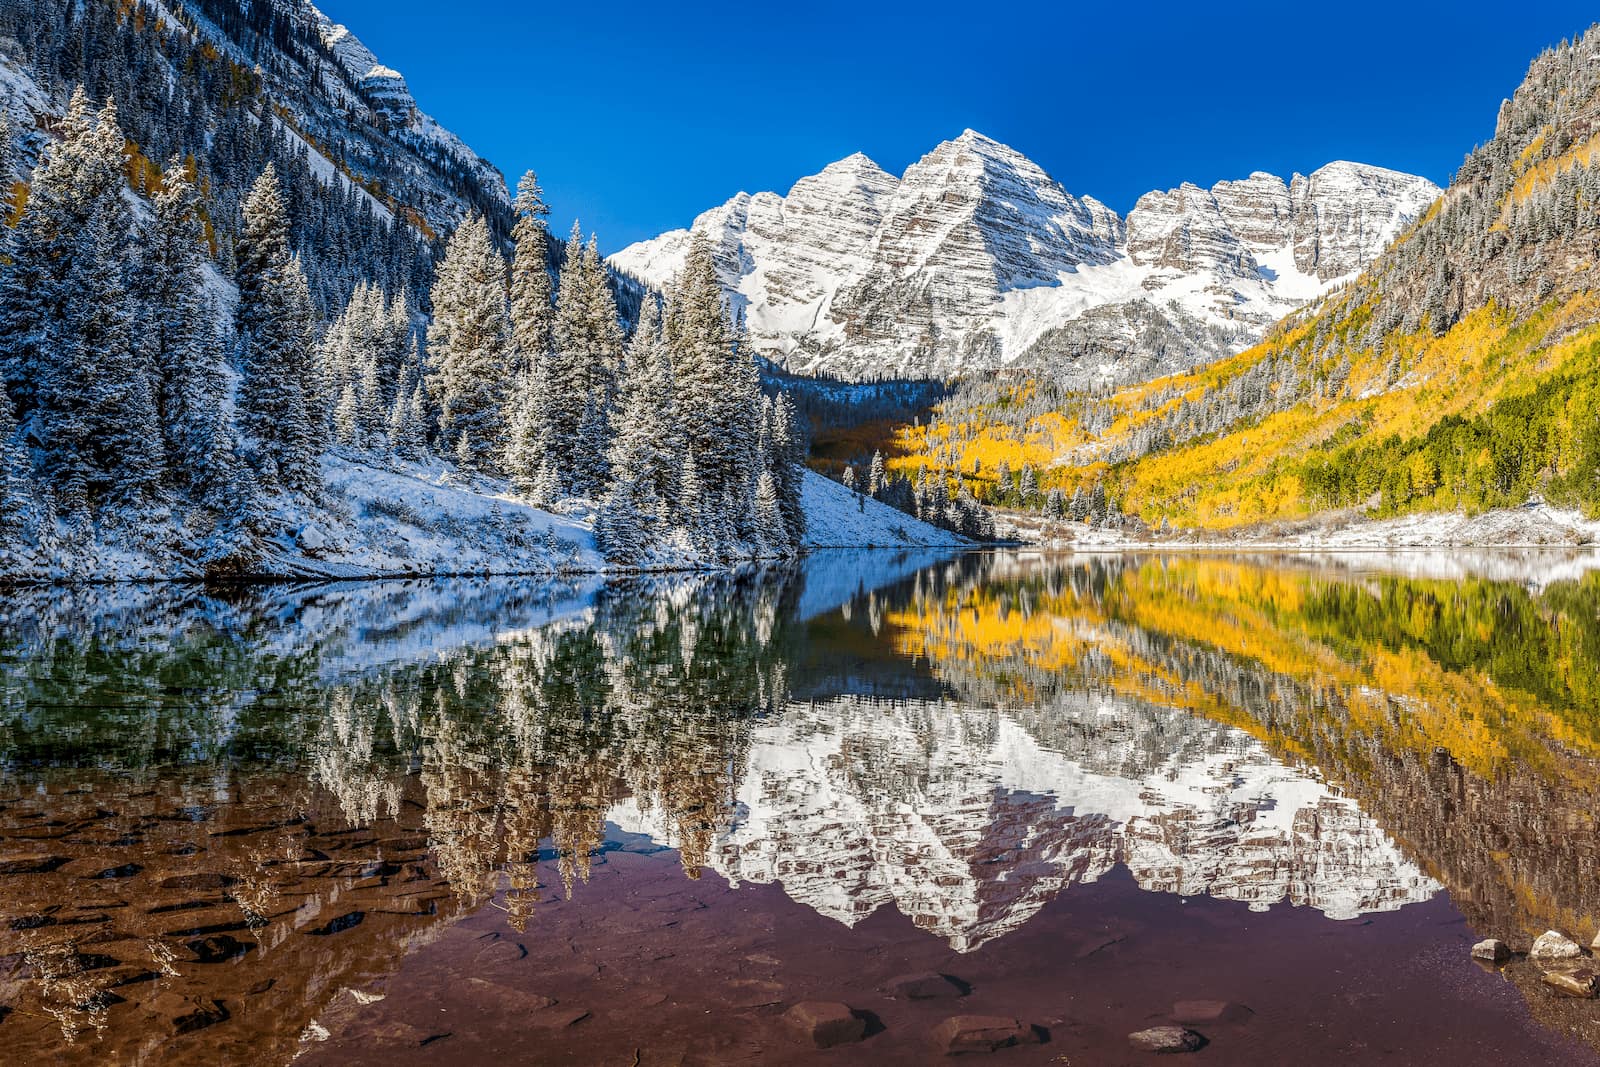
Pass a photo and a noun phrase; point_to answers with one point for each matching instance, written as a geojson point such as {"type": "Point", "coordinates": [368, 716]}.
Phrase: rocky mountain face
{"type": "Point", "coordinates": [299, 76]}
{"type": "Point", "coordinates": [975, 258]}
{"type": "Point", "coordinates": [356, 112]}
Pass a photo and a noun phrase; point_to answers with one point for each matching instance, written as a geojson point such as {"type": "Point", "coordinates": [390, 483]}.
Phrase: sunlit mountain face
{"type": "Point", "coordinates": [250, 825]}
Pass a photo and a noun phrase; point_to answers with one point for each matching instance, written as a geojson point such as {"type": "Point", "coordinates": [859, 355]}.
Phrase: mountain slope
{"type": "Point", "coordinates": [1460, 372]}
{"type": "Point", "coordinates": [976, 258]}
{"type": "Point", "coordinates": [232, 86]}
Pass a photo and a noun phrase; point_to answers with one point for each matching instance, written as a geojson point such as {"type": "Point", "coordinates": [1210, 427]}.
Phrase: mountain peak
{"type": "Point", "coordinates": [976, 257]}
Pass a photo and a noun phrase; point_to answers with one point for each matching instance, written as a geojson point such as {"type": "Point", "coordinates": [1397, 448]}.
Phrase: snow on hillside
{"type": "Point", "coordinates": [975, 246]}
{"type": "Point", "coordinates": [421, 519]}
{"type": "Point", "coordinates": [837, 517]}
{"type": "Point", "coordinates": [1534, 525]}
{"type": "Point", "coordinates": [401, 519]}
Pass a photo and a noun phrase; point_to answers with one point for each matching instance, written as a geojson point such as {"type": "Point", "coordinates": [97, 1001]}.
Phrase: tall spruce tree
{"type": "Point", "coordinates": [716, 396]}
{"type": "Point", "coordinates": [281, 409]}
{"type": "Point", "coordinates": [639, 505]}
{"type": "Point", "coordinates": [529, 430]}
{"type": "Point", "coordinates": [176, 332]}
{"type": "Point", "coordinates": [582, 372]}
{"type": "Point", "coordinates": [469, 346]}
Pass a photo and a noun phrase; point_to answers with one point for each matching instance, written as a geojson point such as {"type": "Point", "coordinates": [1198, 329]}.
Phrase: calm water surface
{"type": "Point", "coordinates": [507, 822]}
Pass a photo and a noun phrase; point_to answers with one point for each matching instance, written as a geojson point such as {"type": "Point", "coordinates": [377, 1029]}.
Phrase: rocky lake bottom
{"type": "Point", "coordinates": [876, 808]}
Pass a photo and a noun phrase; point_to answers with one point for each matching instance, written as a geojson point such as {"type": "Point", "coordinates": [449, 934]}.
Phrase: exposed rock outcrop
{"type": "Point", "coordinates": [977, 257]}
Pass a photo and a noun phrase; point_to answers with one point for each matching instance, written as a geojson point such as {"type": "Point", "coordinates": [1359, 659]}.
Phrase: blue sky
{"type": "Point", "coordinates": [639, 116]}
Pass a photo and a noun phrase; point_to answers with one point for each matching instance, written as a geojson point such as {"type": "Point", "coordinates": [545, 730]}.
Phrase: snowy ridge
{"type": "Point", "coordinates": [976, 258]}
{"type": "Point", "coordinates": [386, 91]}
{"type": "Point", "coordinates": [837, 517]}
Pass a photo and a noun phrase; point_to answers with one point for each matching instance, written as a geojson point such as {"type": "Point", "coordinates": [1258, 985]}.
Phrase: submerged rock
{"type": "Point", "coordinates": [1554, 945]}
{"type": "Point", "coordinates": [927, 986]}
{"type": "Point", "coordinates": [1167, 1039]}
{"type": "Point", "coordinates": [982, 1033]}
{"type": "Point", "coordinates": [1582, 983]}
{"type": "Point", "coordinates": [1210, 1011]}
{"type": "Point", "coordinates": [1492, 950]}
{"type": "Point", "coordinates": [825, 1023]}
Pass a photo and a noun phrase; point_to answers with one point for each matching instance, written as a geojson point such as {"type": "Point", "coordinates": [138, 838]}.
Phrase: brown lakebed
{"type": "Point", "coordinates": [495, 821]}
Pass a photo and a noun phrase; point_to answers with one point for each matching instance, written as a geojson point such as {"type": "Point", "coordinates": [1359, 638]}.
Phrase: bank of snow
{"type": "Point", "coordinates": [393, 519]}
{"type": "Point", "coordinates": [1534, 525]}
{"type": "Point", "coordinates": [837, 517]}
{"type": "Point", "coordinates": [424, 518]}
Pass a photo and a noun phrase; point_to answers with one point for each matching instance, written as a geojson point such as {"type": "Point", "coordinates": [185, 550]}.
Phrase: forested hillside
{"type": "Point", "coordinates": [1460, 371]}
{"type": "Point", "coordinates": [197, 352]}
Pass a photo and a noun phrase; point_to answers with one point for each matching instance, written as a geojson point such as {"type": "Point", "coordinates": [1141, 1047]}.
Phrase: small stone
{"type": "Point", "coordinates": [825, 1023]}
{"type": "Point", "coordinates": [1554, 945]}
{"type": "Point", "coordinates": [205, 1013]}
{"type": "Point", "coordinates": [1595, 944]}
{"type": "Point", "coordinates": [219, 948]}
{"type": "Point", "coordinates": [1492, 950]}
{"type": "Point", "coordinates": [1166, 1039]}
{"type": "Point", "coordinates": [1210, 1011]}
{"type": "Point", "coordinates": [1582, 983]}
{"type": "Point", "coordinates": [982, 1033]}
{"type": "Point", "coordinates": [929, 985]}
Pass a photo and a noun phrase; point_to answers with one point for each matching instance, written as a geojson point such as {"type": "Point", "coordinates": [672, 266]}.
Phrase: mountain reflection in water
{"type": "Point", "coordinates": [220, 809]}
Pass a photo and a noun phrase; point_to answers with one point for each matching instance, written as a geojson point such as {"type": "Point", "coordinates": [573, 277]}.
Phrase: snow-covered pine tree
{"type": "Point", "coordinates": [176, 330]}
{"type": "Point", "coordinates": [469, 346]}
{"type": "Point", "coordinates": [18, 501]}
{"type": "Point", "coordinates": [114, 403]}
{"type": "Point", "coordinates": [875, 474]}
{"type": "Point", "coordinates": [281, 410]}
{"type": "Point", "coordinates": [581, 376]}
{"type": "Point", "coordinates": [716, 391]}
{"type": "Point", "coordinates": [529, 432]}
{"type": "Point", "coordinates": [33, 290]}
{"type": "Point", "coordinates": [532, 309]}
{"type": "Point", "coordinates": [638, 503]}
{"type": "Point", "coordinates": [788, 465]}
{"type": "Point", "coordinates": [8, 167]}
{"type": "Point", "coordinates": [770, 526]}
{"type": "Point", "coordinates": [66, 323]}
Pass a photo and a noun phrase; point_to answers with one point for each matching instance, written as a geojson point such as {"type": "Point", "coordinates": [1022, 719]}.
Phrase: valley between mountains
{"type": "Point", "coordinates": [275, 320]}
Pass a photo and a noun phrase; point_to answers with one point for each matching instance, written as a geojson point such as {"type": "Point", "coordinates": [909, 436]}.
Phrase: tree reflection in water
{"type": "Point", "coordinates": [306, 782]}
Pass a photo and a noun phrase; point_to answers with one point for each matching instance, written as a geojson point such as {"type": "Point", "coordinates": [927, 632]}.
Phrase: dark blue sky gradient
{"type": "Point", "coordinates": [638, 116]}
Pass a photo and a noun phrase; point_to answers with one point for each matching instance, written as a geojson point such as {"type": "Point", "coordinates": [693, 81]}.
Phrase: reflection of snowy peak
{"type": "Point", "coordinates": [977, 257]}
{"type": "Point", "coordinates": [968, 825]}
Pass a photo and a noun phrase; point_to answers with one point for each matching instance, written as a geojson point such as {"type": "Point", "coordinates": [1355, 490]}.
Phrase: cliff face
{"type": "Point", "coordinates": [976, 257]}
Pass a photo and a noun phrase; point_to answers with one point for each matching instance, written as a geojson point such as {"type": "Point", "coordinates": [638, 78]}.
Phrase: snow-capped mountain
{"type": "Point", "coordinates": [352, 116]}
{"type": "Point", "coordinates": [976, 258]}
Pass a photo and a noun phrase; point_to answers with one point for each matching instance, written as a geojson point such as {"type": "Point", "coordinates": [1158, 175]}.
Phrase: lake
{"type": "Point", "coordinates": [1274, 800]}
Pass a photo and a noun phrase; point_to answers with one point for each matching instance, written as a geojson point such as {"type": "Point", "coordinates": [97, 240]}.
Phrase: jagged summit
{"type": "Point", "coordinates": [976, 257]}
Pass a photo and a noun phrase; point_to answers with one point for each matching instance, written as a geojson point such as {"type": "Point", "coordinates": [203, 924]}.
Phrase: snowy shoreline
{"type": "Point", "coordinates": [1533, 525]}
{"type": "Point", "coordinates": [420, 520]}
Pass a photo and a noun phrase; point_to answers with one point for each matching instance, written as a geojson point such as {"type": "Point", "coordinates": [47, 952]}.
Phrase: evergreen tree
{"type": "Point", "coordinates": [532, 311]}
{"type": "Point", "coordinates": [770, 526]}
{"type": "Point", "coordinates": [67, 189]}
{"type": "Point", "coordinates": [281, 414]}
{"type": "Point", "coordinates": [582, 371]}
{"type": "Point", "coordinates": [17, 496]}
{"type": "Point", "coordinates": [717, 395]}
{"type": "Point", "coordinates": [639, 502]}
{"type": "Point", "coordinates": [176, 331]}
{"type": "Point", "coordinates": [468, 346]}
